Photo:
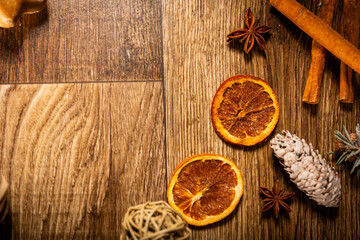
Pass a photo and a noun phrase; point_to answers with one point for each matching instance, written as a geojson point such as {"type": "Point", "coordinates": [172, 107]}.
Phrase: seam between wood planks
{"type": "Point", "coordinates": [162, 71]}
{"type": "Point", "coordinates": [83, 82]}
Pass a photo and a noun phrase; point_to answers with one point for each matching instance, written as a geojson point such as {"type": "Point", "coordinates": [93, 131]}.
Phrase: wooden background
{"type": "Point", "coordinates": [100, 100]}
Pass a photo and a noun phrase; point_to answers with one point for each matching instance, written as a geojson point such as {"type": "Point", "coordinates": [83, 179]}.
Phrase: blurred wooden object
{"type": "Point", "coordinates": [33, 6]}
{"type": "Point", "coordinates": [10, 10]}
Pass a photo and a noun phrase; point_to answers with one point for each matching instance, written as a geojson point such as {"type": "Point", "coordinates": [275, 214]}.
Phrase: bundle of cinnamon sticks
{"type": "Point", "coordinates": [325, 38]}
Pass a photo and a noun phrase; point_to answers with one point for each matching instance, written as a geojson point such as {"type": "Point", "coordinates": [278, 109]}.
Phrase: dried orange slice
{"type": "Point", "coordinates": [244, 110]}
{"type": "Point", "coordinates": [205, 188]}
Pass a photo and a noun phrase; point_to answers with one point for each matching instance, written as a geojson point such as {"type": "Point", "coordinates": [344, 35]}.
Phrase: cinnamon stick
{"type": "Point", "coordinates": [350, 30]}
{"type": "Point", "coordinates": [318, 57]}
{"type": "Point", "coordinates": [320, 32]}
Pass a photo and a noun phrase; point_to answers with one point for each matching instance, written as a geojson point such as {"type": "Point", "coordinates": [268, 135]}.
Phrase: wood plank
{"type": "Point", "coordinates": [55, 152]}
{"type": "Point", "coordinates": [71, 153]}
{"type": "Point", "coordinates": [138, 149]}
{"type": "Point", "coordinates": [197, 59]}
{"type": "Point", "coordinates": [84, 41]}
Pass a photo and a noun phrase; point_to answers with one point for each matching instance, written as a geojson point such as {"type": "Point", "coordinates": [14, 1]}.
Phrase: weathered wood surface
{"type": "Point", "coordinates": [197, 59]}
{"type": "Point", "coordinates": [84, 41]}
{"type": "Point", "coordinates": [78, 154]}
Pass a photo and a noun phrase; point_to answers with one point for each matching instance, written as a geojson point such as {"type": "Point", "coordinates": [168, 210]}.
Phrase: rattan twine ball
{"type": "Point", "coordinates": [154, 220]}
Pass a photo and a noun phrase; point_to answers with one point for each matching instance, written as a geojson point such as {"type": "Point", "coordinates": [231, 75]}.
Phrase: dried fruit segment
{"type": "Point", "coordinates": [205, 188]}
{"type": "Point", "coordinates": [244, 110]}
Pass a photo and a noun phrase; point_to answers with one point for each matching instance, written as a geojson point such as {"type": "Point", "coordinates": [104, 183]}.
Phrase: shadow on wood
{"type": "Point", "coordinates": [6, 226]}
{"type": "Point", "coordinates": [11, 39]}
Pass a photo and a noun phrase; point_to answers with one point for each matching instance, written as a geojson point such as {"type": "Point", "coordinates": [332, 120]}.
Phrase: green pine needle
{"type": "Point", "coordinates": [354, 153]}
{"type": "Point", "coordinates": [343, 157]}
{"type": "Point", "coordinates": [353, 148]}
{"type": "Point", "coordinates": [348, 135]}
{"type": "Point", "coordinates": [342, 138]}
{"type": "Point", "coordinates": [329, 153]}
{"type": "Point", "coordinates": [356, 164]}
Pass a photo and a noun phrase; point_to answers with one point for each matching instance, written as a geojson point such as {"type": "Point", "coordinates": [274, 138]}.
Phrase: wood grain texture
{"type": "Point", "coordinates": [84, 41]}
{"type": "Point", "coordinates": [138, 151]}
{"type": "Point", "coordinates": [197, 59]}
{"type": "Point", "coordinates": [55, 153]}
{"type": "Point", "coordinates": [78, 155]}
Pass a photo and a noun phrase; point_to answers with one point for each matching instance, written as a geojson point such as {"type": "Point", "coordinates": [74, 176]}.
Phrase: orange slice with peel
{"type": "Point", "coordinates": [244, 110]}
{"type": "Point", "coordinates": [205, 188]}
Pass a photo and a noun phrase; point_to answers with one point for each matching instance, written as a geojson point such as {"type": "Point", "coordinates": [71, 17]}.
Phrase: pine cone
{"type": "Point", "coordinates": [307, 169]}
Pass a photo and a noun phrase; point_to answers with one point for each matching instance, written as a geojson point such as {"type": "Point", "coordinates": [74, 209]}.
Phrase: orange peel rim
{"type": "Point", "coordinates": [239, 189]}
{"type": "Point", "coordinates": [223, 133]}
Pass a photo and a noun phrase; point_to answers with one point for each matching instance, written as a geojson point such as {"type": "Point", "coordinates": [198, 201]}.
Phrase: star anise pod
{"type": "Point", "coordinates": [251, 33]}
{"type": "Point", "coordinates": [275, 199]}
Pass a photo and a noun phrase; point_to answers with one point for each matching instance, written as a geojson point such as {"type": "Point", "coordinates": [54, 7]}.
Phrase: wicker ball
{"type": "Point", "coordinates": [154, 220]}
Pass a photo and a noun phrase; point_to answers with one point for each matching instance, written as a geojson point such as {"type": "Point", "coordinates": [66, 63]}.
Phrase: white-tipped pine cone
{"type": "Point", "coordinates": [307, 169]}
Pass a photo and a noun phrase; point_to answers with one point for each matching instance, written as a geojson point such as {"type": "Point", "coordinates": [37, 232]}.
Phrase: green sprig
{"type": "Point", "coordinates": [352, 147]}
